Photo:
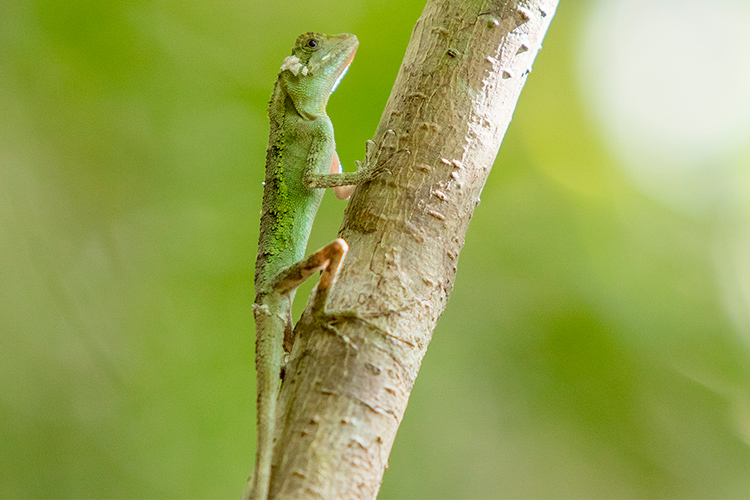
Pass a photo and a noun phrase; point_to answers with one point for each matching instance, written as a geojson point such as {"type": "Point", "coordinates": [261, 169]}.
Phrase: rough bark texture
{"type": "Point", "coordinates": [343, 398]}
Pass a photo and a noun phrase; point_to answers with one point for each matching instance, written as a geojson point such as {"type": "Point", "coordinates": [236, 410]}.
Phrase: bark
{"type": "Point", "coordinates": [346, 389]}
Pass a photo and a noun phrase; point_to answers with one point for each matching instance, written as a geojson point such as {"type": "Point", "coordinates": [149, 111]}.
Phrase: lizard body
{"type": "Point", "coordinates": [301, 160]}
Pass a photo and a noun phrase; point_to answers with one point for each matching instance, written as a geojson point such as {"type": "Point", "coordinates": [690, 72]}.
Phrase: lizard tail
{"type": "Point", "coordinates": [268, 348]}
{"type": "Point", "coordinates": [272, 311]}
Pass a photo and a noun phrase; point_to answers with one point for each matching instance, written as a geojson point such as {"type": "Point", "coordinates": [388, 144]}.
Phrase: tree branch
{"type": "Point", "coordinates": [342, 401]}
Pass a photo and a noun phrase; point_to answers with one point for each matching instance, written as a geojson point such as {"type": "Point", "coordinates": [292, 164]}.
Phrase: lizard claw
{"type": "Point", "coordinates": [390, 139]}
{"type": "Point", "coordinates": [370, 148]}
{"type": "Point", "coordinates": [371, 165]}
{"type": "Point", "coordinates": [326, 321]}
{"type": "Point", "coordinates": [381, 169]}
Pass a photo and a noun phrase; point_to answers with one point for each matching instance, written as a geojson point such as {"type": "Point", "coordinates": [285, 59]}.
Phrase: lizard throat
{"type": "Point", "coordinates": [341, 77]}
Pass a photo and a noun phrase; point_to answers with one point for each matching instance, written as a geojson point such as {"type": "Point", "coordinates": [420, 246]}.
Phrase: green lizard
{"type": "Point", "coordinates": [301, 159]}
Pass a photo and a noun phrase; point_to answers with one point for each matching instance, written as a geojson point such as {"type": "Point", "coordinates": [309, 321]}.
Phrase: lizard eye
{"type": "Point", "coordinates": [312, 44]}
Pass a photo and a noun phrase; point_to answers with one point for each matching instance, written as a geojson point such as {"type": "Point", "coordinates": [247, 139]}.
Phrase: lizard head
{"type": "Point", "coordinates": [317, 65]}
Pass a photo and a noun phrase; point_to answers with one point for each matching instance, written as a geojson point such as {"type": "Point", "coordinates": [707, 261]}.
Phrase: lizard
{"type": "Point", "coordinates": [301, 161]}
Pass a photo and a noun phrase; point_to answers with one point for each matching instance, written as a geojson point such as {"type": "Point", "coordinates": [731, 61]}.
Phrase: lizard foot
{"type": "Point", "coordinates": [327, 320]}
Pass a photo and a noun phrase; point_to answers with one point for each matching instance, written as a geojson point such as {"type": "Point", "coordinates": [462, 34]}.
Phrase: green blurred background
{"type": "Point", "coordinates": [596, 343]}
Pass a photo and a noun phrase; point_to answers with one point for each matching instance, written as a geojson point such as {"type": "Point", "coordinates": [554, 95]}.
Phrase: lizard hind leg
{"type": "Point", "coordinates": [323, 288]}
{"type": "Point", "coordinates": [328, 259]}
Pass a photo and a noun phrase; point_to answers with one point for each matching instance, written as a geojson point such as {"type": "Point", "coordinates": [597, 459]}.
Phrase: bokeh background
{"type": "Point", "coordinates": [597, 341]}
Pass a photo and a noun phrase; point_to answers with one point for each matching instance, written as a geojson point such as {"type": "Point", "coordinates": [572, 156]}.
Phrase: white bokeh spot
{"type": "Point", "coordinates": [669, 83]}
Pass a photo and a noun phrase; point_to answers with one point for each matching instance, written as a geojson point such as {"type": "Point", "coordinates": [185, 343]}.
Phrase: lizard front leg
{"type": "Point", "coordinates": [342, 182]}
